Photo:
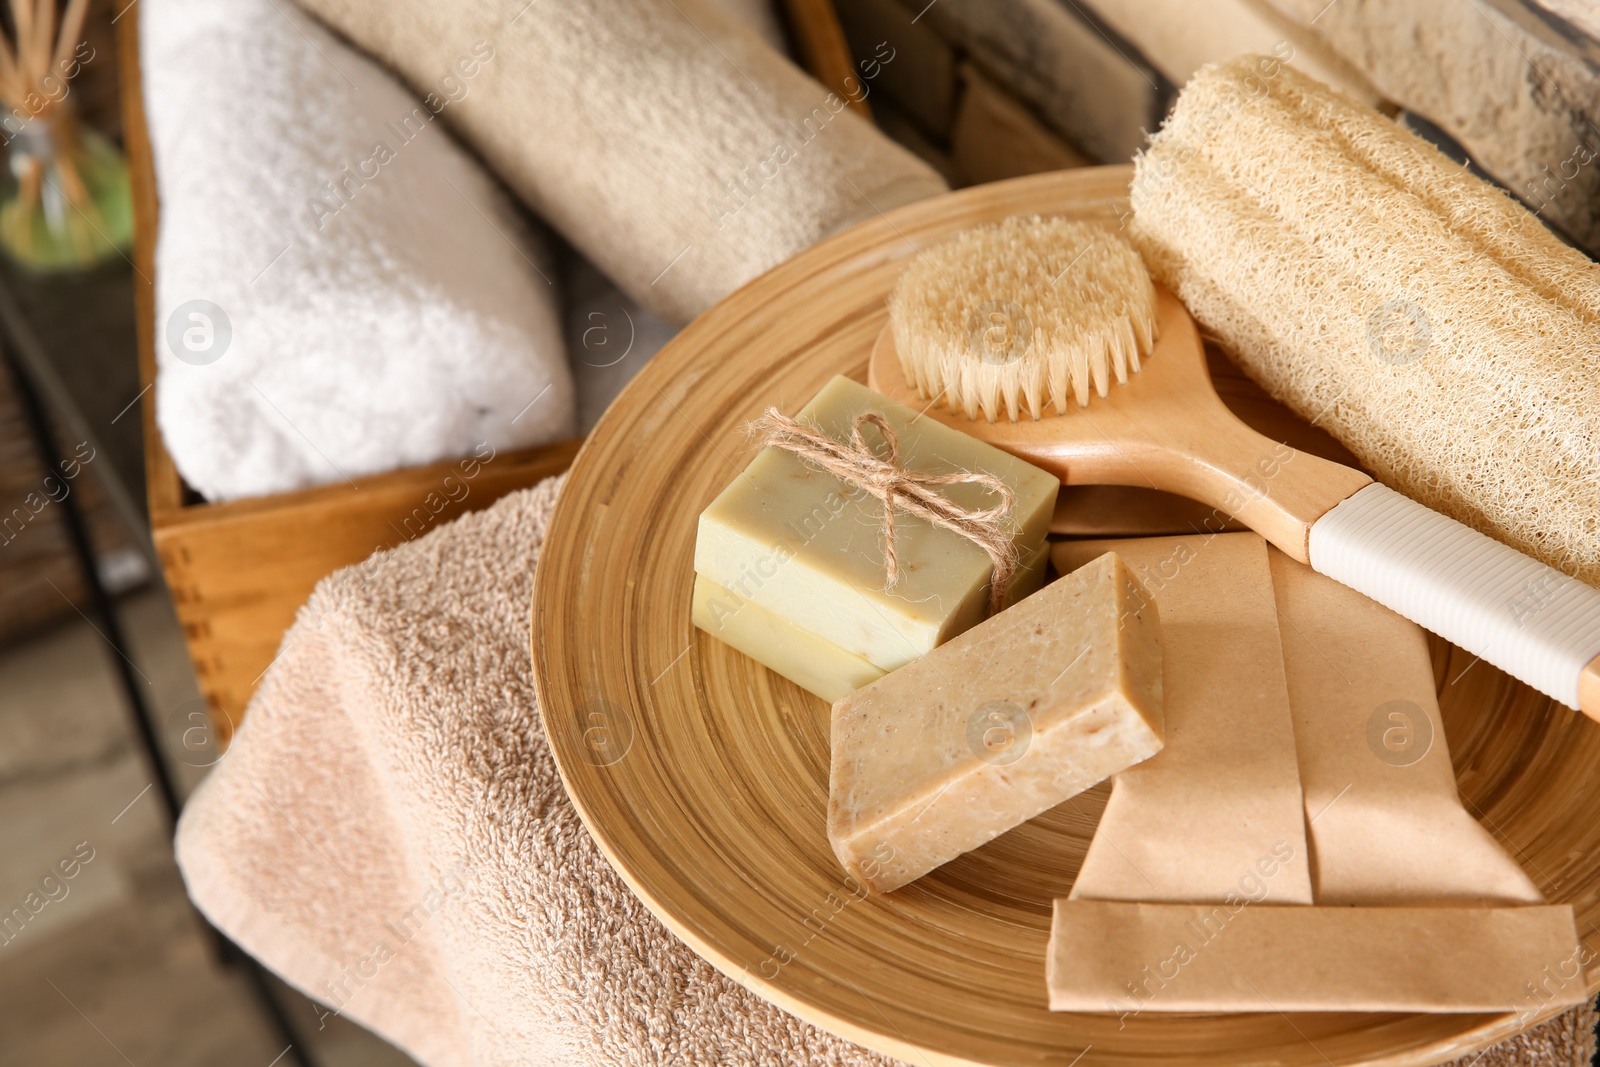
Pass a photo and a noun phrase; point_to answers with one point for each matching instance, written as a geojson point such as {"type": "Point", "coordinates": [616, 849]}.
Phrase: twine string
{"type": "Point", "coordinates": [906, 490]}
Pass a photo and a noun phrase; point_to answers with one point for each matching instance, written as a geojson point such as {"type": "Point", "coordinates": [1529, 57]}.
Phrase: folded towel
{"type": "Point", "coordinates": [664, 138]}
{"type": "Point", "coordinates": [340, 289]}
{"type": "Point", "coordinates": [388, 832]}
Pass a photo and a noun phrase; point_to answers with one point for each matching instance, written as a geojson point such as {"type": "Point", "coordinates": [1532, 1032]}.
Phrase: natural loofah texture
{"type": "Point", "coordinates": [1006, 318]}
{"type": "Point", "coordinates": [1424, 318]}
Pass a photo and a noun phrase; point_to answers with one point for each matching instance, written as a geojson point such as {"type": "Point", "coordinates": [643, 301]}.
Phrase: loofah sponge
{"type": "Point", "coordinates": [1006, 316]}
{"type": "Point", "coordinates": [1423, 317]}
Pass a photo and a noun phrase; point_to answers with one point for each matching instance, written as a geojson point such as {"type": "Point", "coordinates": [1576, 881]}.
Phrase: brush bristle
{"type": "Point", "coordinates": [1021, 315]}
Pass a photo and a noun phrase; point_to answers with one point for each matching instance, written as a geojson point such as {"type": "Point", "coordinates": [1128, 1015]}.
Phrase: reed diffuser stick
{"type": "Point", "coordinates": [10, 77]}
{"type": "Point", "coordinates": [54, 189]}
{"type": "Point", "coordinates": [43, 36]}
{"type": "Point", "coordinates": [39, 50]}
{"type": "Point", "coordinates": [22, 17]}
{"type": "Point", "coordinates": [71, 32]}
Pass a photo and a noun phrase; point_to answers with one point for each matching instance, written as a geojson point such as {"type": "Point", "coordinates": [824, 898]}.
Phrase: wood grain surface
{"type": "Point", "coordinates": [819, 40]}
{"type": "Point", "coordinates": [704, 777]}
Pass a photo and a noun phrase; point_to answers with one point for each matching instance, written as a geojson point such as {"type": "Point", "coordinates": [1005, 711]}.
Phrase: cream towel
{"type": "Point", "coordinates": [388, 833]}
{"type": "Point", "coordinates": [340, 288]}
{"type": "Point", "coordinates": [664, 138]}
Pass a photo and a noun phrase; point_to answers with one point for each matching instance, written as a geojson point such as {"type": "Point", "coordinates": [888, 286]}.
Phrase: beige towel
{"type": "Point", "coordinates": [389, 834]}
{"type": "Point", "coordinates": [666, 140]}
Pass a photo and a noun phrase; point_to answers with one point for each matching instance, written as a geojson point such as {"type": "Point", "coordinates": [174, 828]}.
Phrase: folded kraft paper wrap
{"type": "Point", "coordinates": [1128, 958]}
{"type": "Point", "coordinates": [1386, 821]}
{"type": "Point", "coordinates": [675, 148]}
{"type": "Point", "coordinates": [1217, 814]}
{"type": "Point", "coordinates": [1415, 907]}
{"type": "Point", "coordinates": [341, 289]}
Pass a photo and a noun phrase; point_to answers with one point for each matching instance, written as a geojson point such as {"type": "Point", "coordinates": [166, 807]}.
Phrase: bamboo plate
{"type": "Point", "coordinates": [704, 777]}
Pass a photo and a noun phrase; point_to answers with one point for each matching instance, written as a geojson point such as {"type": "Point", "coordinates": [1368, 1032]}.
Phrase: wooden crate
{"type": "Point", "coordinates": [240, 570]}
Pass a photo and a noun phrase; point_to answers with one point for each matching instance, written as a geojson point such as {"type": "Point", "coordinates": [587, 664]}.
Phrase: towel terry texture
{"type": "Point", "coordinates": [340, 288]}
{"type": "Point", "coordinates": [388, 832]}
{"type": "Point", "coordinates": [672, 145]}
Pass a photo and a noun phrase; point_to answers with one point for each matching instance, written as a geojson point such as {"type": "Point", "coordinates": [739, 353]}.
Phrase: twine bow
{"type": "Point", "coordinates": [909, 491]}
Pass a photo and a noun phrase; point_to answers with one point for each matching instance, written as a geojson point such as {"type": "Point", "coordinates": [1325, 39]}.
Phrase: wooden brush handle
{"type": "Point", "coordinates": [1530, 620]}
{"type": "Point", "coordinates": [1208, 454]}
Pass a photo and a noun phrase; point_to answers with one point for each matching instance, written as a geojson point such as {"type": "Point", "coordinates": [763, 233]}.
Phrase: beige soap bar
{"type": "Point", "coordinates": [1005, 721]}
{"type": "Point", "coordinates": [1218, 815]}
{"type": "Point", "coordinates": [808, 547]}
{"type": "Point", "coordinates": [815, 665]}
{"type": "Point", "coordinates": [1130, 958]}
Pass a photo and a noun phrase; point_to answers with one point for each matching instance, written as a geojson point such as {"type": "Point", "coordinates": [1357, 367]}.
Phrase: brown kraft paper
{"type": "Point", "coordinates": [1217, 815]}
{"type": "Point", "coordinates": [1386, 822]}
{"type": "Point", "coordinates": [1110, 956]}
{"type": "Point", "coordinates": [1444, 921]}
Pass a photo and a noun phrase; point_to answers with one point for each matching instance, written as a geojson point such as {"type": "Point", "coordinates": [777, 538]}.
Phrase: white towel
{"type": "Point", "coordinates": [340, 288]}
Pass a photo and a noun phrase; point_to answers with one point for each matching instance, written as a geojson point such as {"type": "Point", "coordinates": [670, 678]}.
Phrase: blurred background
{"type": "Point", "coordinates": [115, 966]}
{"type": "Point", "coordinates": [104, 726]}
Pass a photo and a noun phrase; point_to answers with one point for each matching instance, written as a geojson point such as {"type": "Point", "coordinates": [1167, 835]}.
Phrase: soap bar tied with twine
{"type": "Point", "coordinates": [883, 477]}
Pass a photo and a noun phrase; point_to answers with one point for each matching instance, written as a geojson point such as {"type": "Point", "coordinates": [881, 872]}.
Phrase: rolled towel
{"type": "Point", "coordinates": [610, 337]}
{"type": "Point", "coordinates": [667, 141]}
{"type": "Point", "coordinates": [340, 288]}
{"type": "Point", "coordinates": [1421, 316]}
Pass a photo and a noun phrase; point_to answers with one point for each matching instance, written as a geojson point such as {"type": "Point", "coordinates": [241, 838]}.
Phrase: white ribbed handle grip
{"type": "Point", "coordinates": [1531, 621]}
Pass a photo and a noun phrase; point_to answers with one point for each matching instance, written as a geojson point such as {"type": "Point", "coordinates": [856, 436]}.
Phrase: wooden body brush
{"type": "Point", "coordinates": [993, 330]}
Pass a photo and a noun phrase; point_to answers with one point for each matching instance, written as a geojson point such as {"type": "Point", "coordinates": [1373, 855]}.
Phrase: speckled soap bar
{"type": "Point", "coordinates": [1009, 719]}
